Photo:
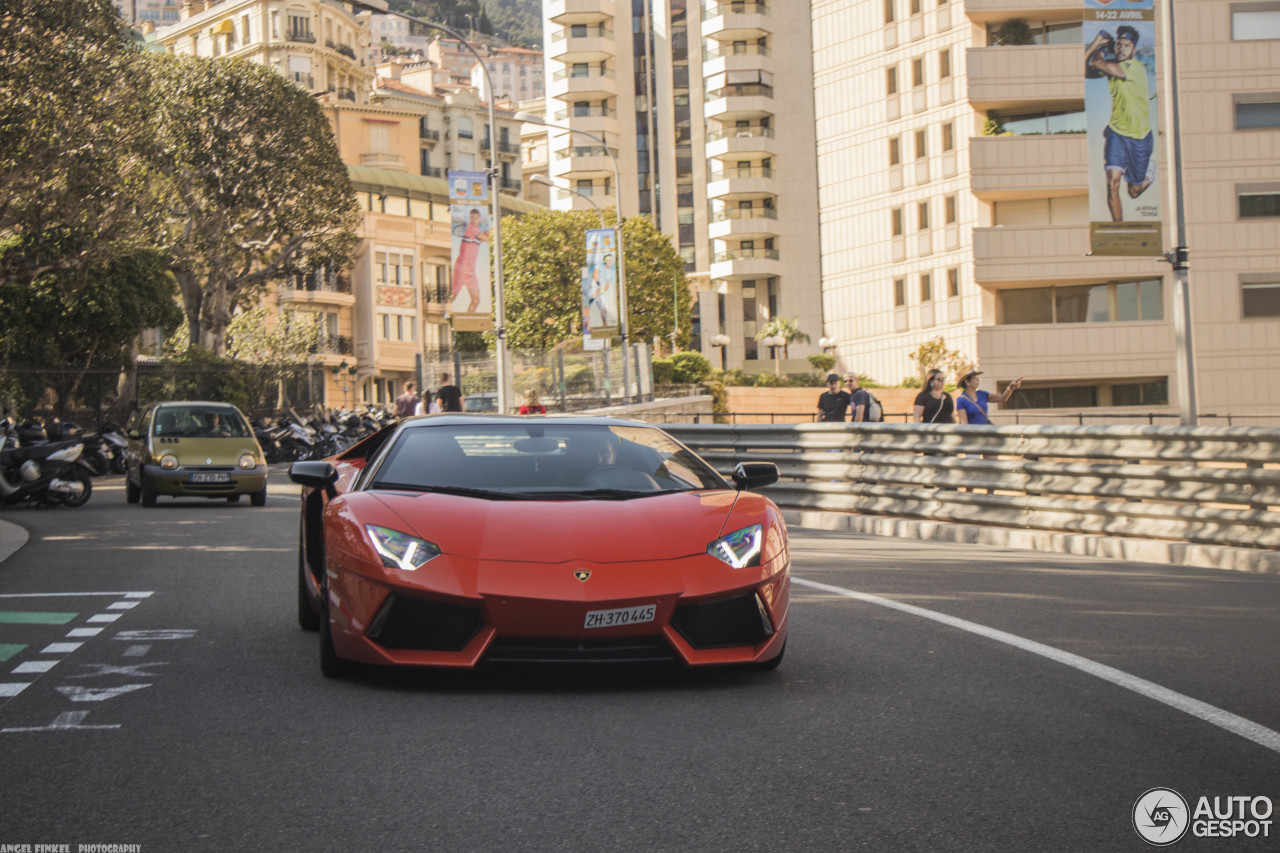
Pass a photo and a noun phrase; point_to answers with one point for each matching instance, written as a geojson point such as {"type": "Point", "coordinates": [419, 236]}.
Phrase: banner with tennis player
{"type": "Point", "coordinates": [1121, 116]}
{"type": "Point", "coordinates": [600, 285]}
{"type": "Point", "coordinates": [471, 305]}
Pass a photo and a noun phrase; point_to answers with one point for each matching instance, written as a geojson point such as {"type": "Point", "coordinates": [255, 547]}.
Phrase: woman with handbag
{"type": "Point", "coordinates": [934, 405]}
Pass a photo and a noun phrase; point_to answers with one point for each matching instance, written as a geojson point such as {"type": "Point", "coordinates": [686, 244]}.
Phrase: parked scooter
{"type": "Point", "coordinates": [50, 473]}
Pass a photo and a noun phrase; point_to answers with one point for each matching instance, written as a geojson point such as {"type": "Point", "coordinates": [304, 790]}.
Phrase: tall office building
{"type": "Point", "coordinates": [709, 112]}
{"type": "Point", "coordinates": [954, 189]}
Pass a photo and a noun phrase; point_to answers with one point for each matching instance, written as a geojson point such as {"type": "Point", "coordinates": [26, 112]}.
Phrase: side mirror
{"type": "Point", "coordinates": [749, 476]}
{"type": "Point", "coordinates": [315, 475]}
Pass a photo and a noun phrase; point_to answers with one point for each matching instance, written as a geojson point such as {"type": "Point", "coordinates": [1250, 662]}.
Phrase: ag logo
{"type": "Point", "coordinates": [582, 574]}
{"type": "Point", "coordinates": [1161, 816]}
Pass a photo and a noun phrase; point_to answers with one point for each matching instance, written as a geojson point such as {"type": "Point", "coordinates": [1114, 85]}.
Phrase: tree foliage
{"type": "Point", "coordinates": [543, 256]}
{"type": "Point", "coordinates": [262, 336]}
{"type": "Point", "coordinates": [75, 139]}
{"type": "Point", "coordinates": [787, 328]}
{"type": "Point", "coordinates": [253, 185]}
{"type": "Point", "coordinates": [934, 354]}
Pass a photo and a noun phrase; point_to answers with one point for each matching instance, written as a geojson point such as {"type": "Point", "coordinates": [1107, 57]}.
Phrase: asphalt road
{"type": "Point", "coordinates": [171, 702]}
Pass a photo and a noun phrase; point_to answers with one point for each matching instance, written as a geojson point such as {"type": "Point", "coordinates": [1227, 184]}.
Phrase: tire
{"type": "Point", "coordinates": [146, 495]}
{"type": "Point", "coordinates": [131, 492]}
{"type": "Point", "coordinates": [259, 498]}
{"type": "Point", "coordinates": [81, 476]}
{"type": "Point", "coordinates": [330, 664]}
{"type": "Point", "coordinates": [770, 665]}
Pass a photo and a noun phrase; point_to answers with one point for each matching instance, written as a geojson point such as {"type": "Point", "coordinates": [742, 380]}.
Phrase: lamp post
{"type": "Point", "coordinates": [530, 118]}
{"type": "Point", "coordinates": [721, 341]}
{"type": "Point", "coordinates": [777, 342]}
{"type": "Point", "coordinates": [495, 228]}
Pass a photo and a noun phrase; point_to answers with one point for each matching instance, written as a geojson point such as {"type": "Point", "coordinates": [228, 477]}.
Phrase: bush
{"type": "Point", "coordinates": [689, 368]}
{"type": "Point", "coordinates": [664, 372]}
{"type": "Point", "coordinates": [822, 362]}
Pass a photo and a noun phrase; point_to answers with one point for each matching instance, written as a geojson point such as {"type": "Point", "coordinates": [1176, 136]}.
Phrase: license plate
{"type": "Point", "coordinates": [621, 616]}
{"type": "Point", "coordinates": [211, 477]}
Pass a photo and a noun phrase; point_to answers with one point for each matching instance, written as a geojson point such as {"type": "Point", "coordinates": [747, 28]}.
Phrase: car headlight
{"type": "Point", "coordinates": [400, 550]}
{"type": "Point", "coordinates": [248, 461]}
{"type": "Point", "coordinates": [740, 548]}
{"type": "Point", "coordinates": [168, 462]}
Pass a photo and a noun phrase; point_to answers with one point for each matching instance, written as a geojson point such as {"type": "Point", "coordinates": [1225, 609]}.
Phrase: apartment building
{"type": "Point", "coordinates": [708, 113]}
{"type": "Point", "coordinates": [389, 310]}
{"type": "Point", "coordinates": [953, 185]}
{"type": "Point", "coordinates": [158, 12]}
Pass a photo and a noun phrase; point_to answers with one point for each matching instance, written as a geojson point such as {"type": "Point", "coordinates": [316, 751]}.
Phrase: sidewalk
{"type": "Point", "coordinates": [12, 537]}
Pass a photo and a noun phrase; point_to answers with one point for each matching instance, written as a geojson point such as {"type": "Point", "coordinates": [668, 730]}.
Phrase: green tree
{"type": "Point", "coordinates": [76, 138]}
{"type": "Point", "coordinates": [263, 337]}
{"type": "Point", "coordinates": [253, 184]}
{"type": "Point", "coordinates": [543, 256]}
{"type": "Point", "coordinates": [786, 328]}
{"type": "Point", "coordinates": [934, 354]}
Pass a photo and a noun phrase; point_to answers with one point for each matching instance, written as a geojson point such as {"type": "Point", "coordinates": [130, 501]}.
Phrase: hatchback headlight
{"type": "Point", "coordinates": [400, 550]}
{"type": "Point", "coordinates": [168, 462]}
{"type": "Point", "coordinates": [248, 461]}
{"type": "Point", "coordinates": [741, 548]}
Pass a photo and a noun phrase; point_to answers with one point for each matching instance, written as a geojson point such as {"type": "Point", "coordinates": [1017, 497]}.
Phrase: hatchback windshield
{"type": "Point", "coordinates": [545, 458]}
{"type": "Point", "coordinates": [200, 421]}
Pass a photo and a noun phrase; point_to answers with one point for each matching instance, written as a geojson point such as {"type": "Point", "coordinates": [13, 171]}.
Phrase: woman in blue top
{"type": "Point", "coordinates": [971, 404]}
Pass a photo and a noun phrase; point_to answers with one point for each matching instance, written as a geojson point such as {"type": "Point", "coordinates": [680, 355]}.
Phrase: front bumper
{"type": "Point", "coordinates": [178, 482]}
{"type": "Point", "coordinates": [704, 613]}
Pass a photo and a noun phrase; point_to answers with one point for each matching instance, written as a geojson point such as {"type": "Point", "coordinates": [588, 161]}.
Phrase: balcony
{"type": "Point", "coordinates": [431, 136]}
{"type": "Point", "coordinates": [740, 102]}
{"type": "Point", "coordinates": [994, 11]}
{"type": "Point", "coordinates": [755, 223]}
{"type": "Point", "coordinates": [347, 95]}
{"type": "Point", "coordinates": [583, 161]}
{"type": "Point", "coordinates": [737, 143]}
{"type": "Point", "coordinates": [741, 183]}
{"type": "Point", "coordinates": [332, 345]}
{"type": "Point", "coordinates": [436, 294]}
{"type": "Point", "coordinates": [568, 12]}
{"type": "Point", "coordinates": [305, 80]}
{"type": "Point", "coordinates": [300, 36]}
{"type": "Point", "coordinates": [1072, 350]}
{"type": "Point", "coordinates": [594, 44]}
{"type": "Point", "coordinates": [1011, 167]}
{"type": "Point", "coordinates": [1046, 76]}
{"type": "Point", "coordinates": [334, 291]}
{"type": "Point", "coordinates": [728, 60]}
{"type": "Point", "coordinates": [1005, 255]}
{"type": "Point", "coordinates": [383, 160]}
{"type": "Point", "coordinates": [742, 264]}
{"type": "Point", "coordinates": [736, 21]}
{"type": "Point", "coordinates": [593, 84]}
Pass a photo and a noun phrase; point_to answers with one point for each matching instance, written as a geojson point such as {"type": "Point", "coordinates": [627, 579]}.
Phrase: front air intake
{"type": "Point", "coordinates": [738, 621]}
{"type": "Point", "coordinates": [420, 624]}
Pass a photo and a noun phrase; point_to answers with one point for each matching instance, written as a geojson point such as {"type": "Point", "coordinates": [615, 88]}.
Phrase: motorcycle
{"type": "Point", "coordinates": [51, 473]}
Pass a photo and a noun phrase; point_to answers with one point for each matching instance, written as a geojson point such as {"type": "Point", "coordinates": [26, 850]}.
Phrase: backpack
{"type": "Point", "coordinates": [874, 412]}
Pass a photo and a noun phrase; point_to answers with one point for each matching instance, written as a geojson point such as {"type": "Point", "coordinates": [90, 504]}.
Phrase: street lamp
{"type": "Point", "coordinates": [495, 228]}
{"type": "Point", "coordinates": [777, 342]}
{"type": "Point", "coordinates": [721, 341]}
{"type": "Point", "coordinates": [828, 343]}
{"type": "Point", "coordinates": [530, 118]}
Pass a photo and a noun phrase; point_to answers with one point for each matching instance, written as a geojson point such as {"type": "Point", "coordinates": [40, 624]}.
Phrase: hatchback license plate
{"type": "Point", "coordinates": [621, 616]}
{"type": "Point", "coordinates": [211, 477]}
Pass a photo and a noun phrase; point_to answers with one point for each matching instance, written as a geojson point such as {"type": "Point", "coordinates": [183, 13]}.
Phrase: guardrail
{"type": "Point", "coordinates": [1216, 486]}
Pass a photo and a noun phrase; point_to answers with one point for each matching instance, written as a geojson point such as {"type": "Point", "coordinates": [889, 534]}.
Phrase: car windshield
{"type": "Point", "coordinates": [544, 459]}
{"type": "Point", "coordinates": [199, 421]}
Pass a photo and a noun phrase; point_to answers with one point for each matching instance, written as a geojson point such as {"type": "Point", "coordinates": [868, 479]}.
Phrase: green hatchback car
{"type": "Point", "coordinates": [194, 450]}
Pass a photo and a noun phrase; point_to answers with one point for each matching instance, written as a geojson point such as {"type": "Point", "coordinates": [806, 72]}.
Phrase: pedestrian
{"type": "Point", "coordinates": [449, 395]}
{"type": "Point", "coordinates": [423, 405]}
{"type": "Point", "coordinates": [833, 402]}
{"type": "Point", "coordinates": [859, 400]}
{"type": "Point", "coordinates": [531, 404]}
{"type": "Point", "coordinates": [971, 404]}
{"type": "Point", "coordinates": [406, 401]}
{"type": "Point", "coordinates": [933, 404]}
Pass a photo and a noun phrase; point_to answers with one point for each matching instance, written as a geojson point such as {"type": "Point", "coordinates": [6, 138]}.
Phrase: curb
{"type": "Point", "coordinates": [1187, 554]}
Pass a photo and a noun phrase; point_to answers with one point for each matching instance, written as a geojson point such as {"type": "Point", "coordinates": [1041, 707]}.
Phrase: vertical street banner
{"type": "Point", "coordinates": [471, 302]}
{"type": "Point", "coordinates": [588, 343]}
{"type": "Point", "coordinates": [600, 285]}
{"type": "Point", "coordinates": [1121, 116]}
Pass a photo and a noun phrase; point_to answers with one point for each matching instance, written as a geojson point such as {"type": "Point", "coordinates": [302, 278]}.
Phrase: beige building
{"type": "Point", "coordinates": [953, 186]}
{"type": "Point", "coordinates": [708, 110]}
{"type": "Point", "coordinates": [388, 311]}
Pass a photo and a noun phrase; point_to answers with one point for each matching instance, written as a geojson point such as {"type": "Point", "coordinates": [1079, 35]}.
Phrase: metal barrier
{"type": "Point", "coordinates": [1215, 486]}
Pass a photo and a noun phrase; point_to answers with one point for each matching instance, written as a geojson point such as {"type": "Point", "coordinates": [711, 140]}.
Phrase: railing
{"type": "Point", "coordinates": [333, 345]}
{"type": "Point", "coordinates": [736, 49]}
{"type": "Point", "coordinates": [741, 90]}
{"type": "Point", "coordinates": [1208, 486]}
{"type": "Point", "coordinates": [594, 31]}
{"type": "Point", "coordinates": [740, 133]}
{"type": "Point", "coordinates": [299, 36]}
{"type": "Point", "coordinates": [430, 135]}
{"type": "Point", "coordinates": [746, 255]}
{"type": "Point", "coordinates": [585, 112]}
{"type": "Point", "coordinates": [437, 294]}
{"type": "Point", "coordinates": [741, 172]}
{"type": "Point", "coordinates": [744, 213]}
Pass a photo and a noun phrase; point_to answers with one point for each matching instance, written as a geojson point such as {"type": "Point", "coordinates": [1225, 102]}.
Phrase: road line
{"type": "Point", "coordinates": [1211, 714]}
{"type": "Point", "coordinates": [74, 594]}
{"type": "Point", "coordinates": [11, 689]}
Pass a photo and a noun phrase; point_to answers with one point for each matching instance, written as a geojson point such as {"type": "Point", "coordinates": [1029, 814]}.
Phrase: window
{"type": "Point", "coordinates": [1255, 111]}
{"type": "Point", "coordinates": [926, 287]}
{"type": "Point", "coordinates": [915, 7]}
{"type": "Point", "coordinates": [1254, 21]}
{"type": "Point", "coordinates": [944, 64]}
{"type": "Point", "coordinates": [465, 128]}
{"type": "Point", "coordinates": [922, 144]}
{"type": "Point", "coordinates": [949, 136]}
{"type": "Point", "coordinates": [949, 210]}
{"type": "Point", "coordinates": [891, 80]}
{"type": "Point", "coordinates": [895, 151]}
{"type": "Point", "coordinates": [922, 215]}
{"type": "Point", "coordinates": [953, 282]}
{"type": "Point", "coordinates": [1258, 201]}
{"type": "Point", "coordinates": [917, 73]}
{"type": "Point", "coordinates": [899, 292]}
{"type": "Point", "coordinates": [1260, 295]}
{"type": "Point", "coordinates": [896, 221]}
{"type": "Point", "coordinates": [1111, 302]}
{"type": "Point", "coordinates": [889, 16]}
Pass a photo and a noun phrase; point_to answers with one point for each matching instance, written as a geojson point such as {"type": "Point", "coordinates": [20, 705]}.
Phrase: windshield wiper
{"type": "Point", "coordinates": [598, 494]}
{"type": "Point", "coordinates": [449, 490]}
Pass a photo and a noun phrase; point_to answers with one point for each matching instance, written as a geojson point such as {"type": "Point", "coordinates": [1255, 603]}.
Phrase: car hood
{"type": "Point", "coordinates": [194, 450]}
{"type": "Point", "coordinates": [660, 527]}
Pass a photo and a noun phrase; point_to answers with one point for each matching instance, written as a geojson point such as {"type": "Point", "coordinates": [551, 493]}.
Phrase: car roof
{"type": "Point", "coordinates": [463, 419]}
{"type": "Point", "coordinates": [195, 403]}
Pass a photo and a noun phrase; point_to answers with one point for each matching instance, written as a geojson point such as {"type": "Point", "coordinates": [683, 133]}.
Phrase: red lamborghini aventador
{"type": "Point", "coordinates": [450, 540]}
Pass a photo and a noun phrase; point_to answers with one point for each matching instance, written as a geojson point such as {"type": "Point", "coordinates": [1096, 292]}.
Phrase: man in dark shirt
{"type": "Point", "coordinates": [833, 403]}
{"type": "Point", "coordinates": [449, 395]}
{"type": "Point", "coordinates": [406, 401]}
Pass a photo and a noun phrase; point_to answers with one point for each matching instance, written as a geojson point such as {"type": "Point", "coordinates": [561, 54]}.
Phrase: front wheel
{"type": "Point", "coordinates": [76, 474]}
{"type": "Point", "coordinates": [259, 498]}
{"type": "Point", "coordinates": [147, 494]}
{"type": "Point", "coordinates": [131, 492]}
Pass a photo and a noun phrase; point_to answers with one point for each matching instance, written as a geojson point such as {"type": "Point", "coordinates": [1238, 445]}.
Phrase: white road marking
{"type": "Point", "coordinates": [65, 721]}
{"type": "Point", "coordinates": [13, 689]}
{"type": "Point", "coordinates": [156, 634]}
{"type": "Point", "coordinates": [96, 694]}
{"type": "Point", "coordinates": [1211, 714]}
{"type": "Point", "coordinates": [84, 632]}
{"type": "Point", "coordinates": [75, 594]}
{"type": "Point", "coordinates": [103, 617]}
{"type": "Point", "coordinates": [60, 648]}
{"type": "Point", "coordinates": [35, 666]}
{"type": "Point", "coordinates": [123, 605]}
{"type": "Point", "coordinates": [136, 651]}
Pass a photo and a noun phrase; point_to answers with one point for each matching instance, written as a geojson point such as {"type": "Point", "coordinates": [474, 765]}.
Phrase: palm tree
{"type": "Point", "coordinates": [787, 330]}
